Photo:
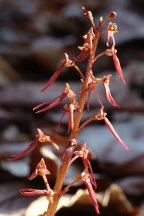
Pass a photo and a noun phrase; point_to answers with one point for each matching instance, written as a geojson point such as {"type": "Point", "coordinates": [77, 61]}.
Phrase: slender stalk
{"type": "Point", "coordinates": [65, 163]}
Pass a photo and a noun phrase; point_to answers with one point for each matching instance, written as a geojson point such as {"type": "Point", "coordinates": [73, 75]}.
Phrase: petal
{"type": "Point", "coordinates": [45, 103]}
{"type": "Point", "coordinates": [108, 94]}
{"type": "Point", "coordinates": [110, 35]}
{"type": "Point", "coordinates": [54, 76]}
{"type": "Point", "coordinates": [92, 195]}
{"type": "Point", "coordinates": [61, 118]}
{"type": "Point", "coordinates": [57, 100]}
{"type": "Point", "coordinates": [96, 93]}
{"type": "Point", "coordinates": [87, 164]}
{"type": "Point", "coordinates": [110, 127]}
{"type": "Point", "coordinates": [15, 157]}
{"type": "Point", "coordinates": [33, 192]}
{"type": "Point", "coordinates": [118, 66]}
{"type": "Point", "coordinates": [93, 181]}
{"type": "Point", "coordinates": [82, 56]}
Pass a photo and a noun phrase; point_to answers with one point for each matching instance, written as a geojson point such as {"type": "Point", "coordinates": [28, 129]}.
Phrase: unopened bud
{"type": "Point", "coordinates": [85, 12]}
{"type": "Point", "coordinates": [101, 19]}
{"type": "Point", "coordinates": [112, 15]}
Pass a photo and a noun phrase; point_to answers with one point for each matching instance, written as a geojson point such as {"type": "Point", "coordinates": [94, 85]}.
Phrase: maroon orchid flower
{"type": "Point", "coordinates": [54, 102]}
{"type": "Point", "coordinates": [83, 153]}
{"type": "Point", "coordinates": [112, 29]}
{"type": "Point", "coordinates": [87, 182]}
{"type": "Point", "coordinates": [86, 48]}
{"type": "Point", "coordinates": [41, 170]}
{"type": "Point", "coordinates": [66, 62]}
{"type": "Point", "coordinates": [91, 87]}
{"type": "Point", "coordinates": [106, 81]}
{"type": "Point", "coordinates": [36, 192]}
{"type": "Point", "coordinates": [112, 130]}
{"type": "Point", "coordinates": [40, 137]}
{"type": "Point", "coordinates": [102, 116]}
{"type": "Point", "coordinates": [118, 66]}
{"type": "Point", "coordinates": [69, 107]}
{"type": "Point", "coordinates": [33, 192]}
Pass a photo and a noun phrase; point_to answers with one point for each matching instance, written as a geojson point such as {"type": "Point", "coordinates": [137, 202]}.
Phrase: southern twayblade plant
{"type": "Point", "coordinates": [73, 107]}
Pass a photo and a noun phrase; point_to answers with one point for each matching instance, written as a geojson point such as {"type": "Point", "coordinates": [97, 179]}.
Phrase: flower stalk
{"type": "Point", "coordinates": [74, 109]}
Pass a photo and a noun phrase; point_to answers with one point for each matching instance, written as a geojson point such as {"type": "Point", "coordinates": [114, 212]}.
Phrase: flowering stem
{"type": "Point", "coordinates": [65, 163]}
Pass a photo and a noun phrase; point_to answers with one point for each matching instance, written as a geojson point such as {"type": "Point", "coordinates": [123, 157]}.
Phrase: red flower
{"type": "Point", "coordinates": [66, 62]}
{"type": "Point", "coordinates": [111, 128]}
{"type": "Point", "coordinates": [40, 137]}
{"type": "Point", "coordinates": [106, 80]}
{"type": "Point", "coordinates": [91, 87]}
{"type": "Point", "coordinates": [35, 192]}
{"type": "Point", "coordinates": [83, 153]}
{"type": "Point", "coordinates": [87, 182]}
{"type": "Point", "coordinates": [118, 66]}
{"type": "Point", "coordinates": [69, 107]}
{"type": "Point", "coordinates": [41, 170]}
{"type": "Point", "coordinates": [54, 102]}
{"type": "Point", "coordinates": [112, 29]}
{"type": "Point", "coordinates": [101, 115]}
{"type": "Point", "coordinates": [86, 48]}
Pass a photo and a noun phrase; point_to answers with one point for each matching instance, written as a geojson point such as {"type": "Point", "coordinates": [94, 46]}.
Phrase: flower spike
{"type": "Point", "coordinates": [118, 66]}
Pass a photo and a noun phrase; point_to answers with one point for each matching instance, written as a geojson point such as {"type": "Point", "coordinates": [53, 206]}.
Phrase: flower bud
{"type": "Point", "coordinates": [112, 15]}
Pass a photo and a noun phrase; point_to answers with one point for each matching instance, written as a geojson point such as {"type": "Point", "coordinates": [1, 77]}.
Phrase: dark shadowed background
{"type": "Point", "coordinates": [34, 34]}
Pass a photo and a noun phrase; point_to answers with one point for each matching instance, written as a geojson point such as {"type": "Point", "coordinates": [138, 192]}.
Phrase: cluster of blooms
{"type": "Point", "coordinates": [72, 104]}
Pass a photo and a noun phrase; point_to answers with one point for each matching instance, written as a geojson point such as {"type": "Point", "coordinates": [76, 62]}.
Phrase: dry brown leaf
{"type": "Point", "coordinates": [113, 201]}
